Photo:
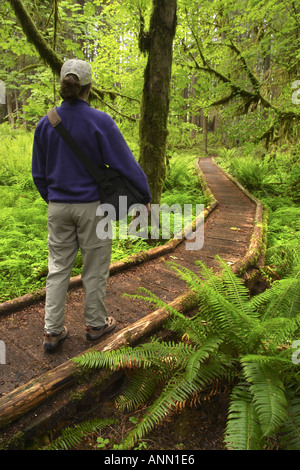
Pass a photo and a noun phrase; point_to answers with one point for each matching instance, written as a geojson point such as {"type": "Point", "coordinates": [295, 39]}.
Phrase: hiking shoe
{"type": "Point", "coordinates": [51, 340]}
{"type": "Point", "coordinates": [93, 333]}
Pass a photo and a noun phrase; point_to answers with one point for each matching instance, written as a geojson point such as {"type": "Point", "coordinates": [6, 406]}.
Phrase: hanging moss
{"type": "Point", "coordinates": [46, 52]}
{"type": "Point", "coordinates": [34, 36]}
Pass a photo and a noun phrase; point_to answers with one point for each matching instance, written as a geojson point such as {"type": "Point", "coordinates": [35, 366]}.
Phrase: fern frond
{"type": "Point", "coordinates": [153, 299]}
{"type": "Point", "coordinates": [283, 299]}
{"type": "Point", "coordinates": [280, 330]}
{"type": "Point", "coordinates": [170, 355]}
{"type": "Point", "coordinates": [168, 358]}
{"type": "Point", "coordinates": [72, 436]}
{"type": "Point", "coordinates": [177, 321]}
{"type": "Point", "coordinates": [290, 430]}
{"type": "Point", "coordinates": [280, 362]}
{"type": "Point", "coordinates": [192, 279]}
{"type": "Point", "coordinates": [295, 271]}
{"type": "Point", "coordinates": [217, 368]}
{"type": "Point", "coordinates": [223, 301]}
{"type": "Point", "coordinates": [177, 390]}
{"type": "Point", "coordinates": [235, 290]}
{"type": "Point", "coordinates": [225, 318]}
{"type": "Point", "coordinates": [203, 352]}
{"type": "Point", "coordinates": [268, 335]}
{"type": "Point", "coordinates": [114, 360]}
{"type": "Point", "coordinates": [210, 277]}
{"type": "Point", "coordinates": [194, 329]}
{"type": "Point", "coordinates": [141, 387]}
{"type": "Point", "coordinates": [268, 395]}
{"type": "Point", "coordinates": [158, 354]}
{"type": "Point", "coordinates": [243, 430]}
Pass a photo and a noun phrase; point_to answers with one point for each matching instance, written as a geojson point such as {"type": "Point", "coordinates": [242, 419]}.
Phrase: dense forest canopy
{"type": "Point", "coordinates": [235, 64]}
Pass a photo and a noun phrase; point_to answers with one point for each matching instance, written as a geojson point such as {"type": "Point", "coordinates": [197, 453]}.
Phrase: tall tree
{"type": "Point", "coordinates": [158, 43]}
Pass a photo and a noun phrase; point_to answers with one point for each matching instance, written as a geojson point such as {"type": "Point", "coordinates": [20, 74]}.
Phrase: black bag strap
{"type": "Point", "coordinates": [91, 167]}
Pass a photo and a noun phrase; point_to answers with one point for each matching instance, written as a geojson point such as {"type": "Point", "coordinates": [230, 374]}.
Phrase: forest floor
{"type": "Point", "coordinates": [196, 428]}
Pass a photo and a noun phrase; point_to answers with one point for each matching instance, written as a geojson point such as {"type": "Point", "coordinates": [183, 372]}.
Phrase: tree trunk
{"type": "Point", "coordinates": [155, 101]}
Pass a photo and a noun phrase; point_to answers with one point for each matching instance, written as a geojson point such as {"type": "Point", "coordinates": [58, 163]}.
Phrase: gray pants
{"type": "Point", "coordinates": [73, 226]}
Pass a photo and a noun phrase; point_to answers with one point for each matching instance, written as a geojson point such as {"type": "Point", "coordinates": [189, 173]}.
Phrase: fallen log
{"type": "Point", "coordinates": [29, 396]}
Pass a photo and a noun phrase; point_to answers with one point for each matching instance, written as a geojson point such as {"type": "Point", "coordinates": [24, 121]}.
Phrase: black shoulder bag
{"type": "Point", "coordinates": [110, 182]}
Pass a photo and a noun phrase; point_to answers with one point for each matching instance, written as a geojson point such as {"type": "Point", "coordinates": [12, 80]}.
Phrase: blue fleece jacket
{"type": "Point", "coordinates": [57, 173]}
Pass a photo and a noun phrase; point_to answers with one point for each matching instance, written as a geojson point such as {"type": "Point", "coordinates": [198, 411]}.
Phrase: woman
{"type": "Point", "coordinates": [72, 195]}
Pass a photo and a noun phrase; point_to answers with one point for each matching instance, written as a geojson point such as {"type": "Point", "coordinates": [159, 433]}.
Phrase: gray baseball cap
{"type": "Point", "coordinates": [78, 67]}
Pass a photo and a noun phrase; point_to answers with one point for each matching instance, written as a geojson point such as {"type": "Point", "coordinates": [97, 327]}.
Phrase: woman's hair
{"type": "Point", "coordinates": [70, 89]}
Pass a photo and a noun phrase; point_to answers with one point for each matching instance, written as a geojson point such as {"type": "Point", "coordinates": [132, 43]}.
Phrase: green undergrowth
{"type": "Point", "coordinates": [23, 215]}
{"type": "Point", "coordinates": [274, 178]}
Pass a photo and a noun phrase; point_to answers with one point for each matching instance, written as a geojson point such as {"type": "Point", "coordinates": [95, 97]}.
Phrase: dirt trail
{"type": "Point", "coordinates": [227, 232]}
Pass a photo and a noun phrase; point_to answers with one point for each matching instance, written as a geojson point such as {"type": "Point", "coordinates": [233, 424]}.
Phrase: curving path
{"type": "Point", "coordinates": [228, 232]}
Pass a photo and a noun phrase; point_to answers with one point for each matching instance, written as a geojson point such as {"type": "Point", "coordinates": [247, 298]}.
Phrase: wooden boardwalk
{"type": "Point", "coordinates": [228, 232]}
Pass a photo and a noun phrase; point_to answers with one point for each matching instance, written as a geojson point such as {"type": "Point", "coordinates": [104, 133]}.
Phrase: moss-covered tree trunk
{"type": "Point", "coordinates": [158, 43]}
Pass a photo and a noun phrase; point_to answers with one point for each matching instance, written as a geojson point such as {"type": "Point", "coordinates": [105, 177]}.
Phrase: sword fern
{"type": "Point", "coordinates": [231, 339]}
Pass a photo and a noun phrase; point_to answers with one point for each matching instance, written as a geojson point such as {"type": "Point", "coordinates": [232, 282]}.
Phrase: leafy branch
{"type": "Point", "coordinates": [48, 54]}
{"type": "Point", "coordinates": [252, 98]}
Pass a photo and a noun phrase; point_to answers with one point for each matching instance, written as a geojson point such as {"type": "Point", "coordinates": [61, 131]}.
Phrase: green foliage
{"type": "Point", "coordinates": [252, 173]}
{"type": "Point", "coordinates": [243, 422]}
{"type": "Point", "coordinates": [23, 248]}
{"type": "Point", "coordinates": [182, 185]}
{"type": "Point", "coordinates": [274, 179]}
{"type": "Point", "coordinates": [103, 33]}
{"type": "Point", "coordinates": [232, 338]}
{"type": "Point", "coordinates": [14, 152]}
{"type": "Point", "coordinates": [102, 443]}
{"type": "Point", "coordinates": [72, 435]}
{"type": "Point", "coordinates": [234, 61]}
{"type": "Point", "coordinates": [229, 47]}
{"type": "Point", "coordinates": [23, 216]}
{"type": "Point", "coordinates": [290, 430]}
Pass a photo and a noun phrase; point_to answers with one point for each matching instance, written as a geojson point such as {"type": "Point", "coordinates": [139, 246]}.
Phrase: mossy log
{"type": "Point", "coordinates": [29, 396]}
